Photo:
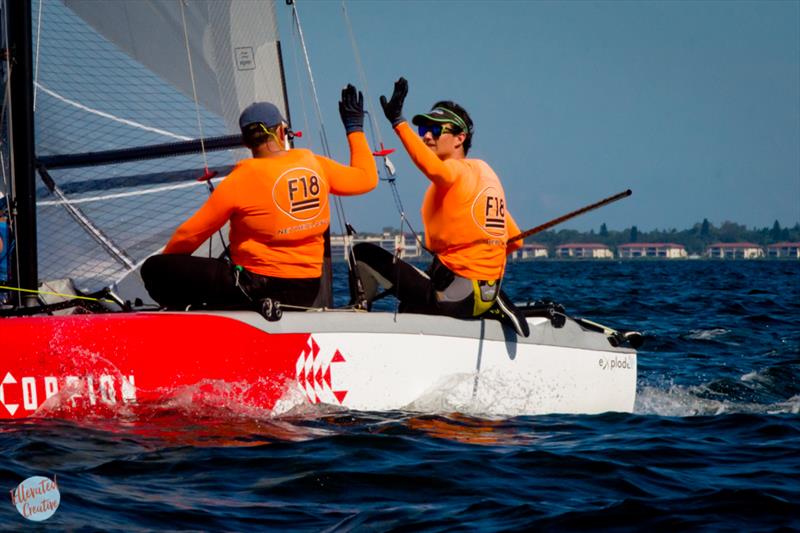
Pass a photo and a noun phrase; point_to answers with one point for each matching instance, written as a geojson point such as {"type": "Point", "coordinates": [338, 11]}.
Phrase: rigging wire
{"type": "Point", "coordinates": [194, 87]}
{"type": "Point", "coordinates": [300, 91]}
{"type": "Point", "coordinates": [207, 175]}
{"type": "Point", "coordinates": [323, 135]}
{"type": "Point", "coordinates": [345, 229]}
{"type": "Point", "coordinates": [298, 27]}
{"type": "Point", "coordinates": [361, 75]}
{"type": "Point", "coordinates": [36, 60]}
{"type": "Point", "coordinates": [388, 169]}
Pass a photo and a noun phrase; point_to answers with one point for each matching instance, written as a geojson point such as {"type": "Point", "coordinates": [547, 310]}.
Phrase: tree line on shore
{"type": "Point", "coordinates": [695, 239]}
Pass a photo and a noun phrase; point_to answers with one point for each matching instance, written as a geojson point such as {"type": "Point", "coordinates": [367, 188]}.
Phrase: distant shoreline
{"type": "Point", "coordinates": [694, 241]}
{"type": "Point", "coordinates": [427, 259]}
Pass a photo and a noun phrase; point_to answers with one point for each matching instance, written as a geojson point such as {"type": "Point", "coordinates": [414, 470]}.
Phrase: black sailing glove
{"type": "Point", "coordinates": [393, 109]}
{"type": "Point", "coordinates": [351, 109]}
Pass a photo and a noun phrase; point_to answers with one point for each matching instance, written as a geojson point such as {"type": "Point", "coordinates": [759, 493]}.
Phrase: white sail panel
{"type": "Point", "coordinates": [115, 75]}
{"type": "Point", "coordinates": [234, 51]}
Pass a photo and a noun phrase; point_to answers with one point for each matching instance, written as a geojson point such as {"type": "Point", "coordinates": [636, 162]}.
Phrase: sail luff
{"type": "Point", "coordinates": [22, 148]}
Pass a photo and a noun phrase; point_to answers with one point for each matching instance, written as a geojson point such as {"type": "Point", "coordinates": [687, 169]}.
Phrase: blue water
{"type": "Point", "coordinates": [713, 444]}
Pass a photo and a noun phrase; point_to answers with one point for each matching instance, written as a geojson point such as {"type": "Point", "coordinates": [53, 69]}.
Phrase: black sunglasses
{"type": "Point", "coordinates": [436, 131]}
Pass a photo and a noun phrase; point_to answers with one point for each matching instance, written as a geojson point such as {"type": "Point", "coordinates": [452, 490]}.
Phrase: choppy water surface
{"type": "Point", "coordinates": [712, 445]}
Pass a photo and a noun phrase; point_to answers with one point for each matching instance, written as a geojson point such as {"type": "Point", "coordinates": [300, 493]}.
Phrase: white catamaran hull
{"type": "Point", "coordinates": [66, 366]}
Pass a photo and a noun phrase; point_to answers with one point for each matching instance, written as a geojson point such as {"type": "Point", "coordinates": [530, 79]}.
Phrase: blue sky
{"type": "Point", "coordinates": [695, 106]}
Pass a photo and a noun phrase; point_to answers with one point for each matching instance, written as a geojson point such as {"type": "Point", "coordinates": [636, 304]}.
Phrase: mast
{"type": "Point", "coordinates": [21, 126]}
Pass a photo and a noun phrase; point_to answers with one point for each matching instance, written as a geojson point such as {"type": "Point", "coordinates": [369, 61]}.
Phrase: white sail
{"type": "Point", "coordinates": [234, 47]}
{"type": "Point", "coordinates": [124, 75]}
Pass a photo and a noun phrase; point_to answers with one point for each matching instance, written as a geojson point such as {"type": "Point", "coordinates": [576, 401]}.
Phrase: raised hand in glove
{"type": "Point", "coordinates": [393, 109]}
{"type": "Point", "coordinates": [351, 109]}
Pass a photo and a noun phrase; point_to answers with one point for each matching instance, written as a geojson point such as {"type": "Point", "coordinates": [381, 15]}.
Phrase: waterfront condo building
{"type": "Point", "coordinates": [530, 251]}
{"type": "Point", "coordinates": [587, 250]}
{"type": "Point", "coordinates": [784, 250]}
{"type": "Point", "coordinates": [662, 250]}
{"type": "Point", "coordinates": [734, 250]}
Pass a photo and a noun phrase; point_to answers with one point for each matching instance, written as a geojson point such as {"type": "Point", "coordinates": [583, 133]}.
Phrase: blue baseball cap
{"type": "Point", "coordinates": [263, 112]}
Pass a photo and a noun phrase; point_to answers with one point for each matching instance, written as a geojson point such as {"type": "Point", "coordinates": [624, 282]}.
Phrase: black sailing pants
{"type": "Point", "coordinates": [177, 281]}
{"type": "Point", "coordinates": [437, 292]}
{"type": "Point", "coordinates": [415, 289]}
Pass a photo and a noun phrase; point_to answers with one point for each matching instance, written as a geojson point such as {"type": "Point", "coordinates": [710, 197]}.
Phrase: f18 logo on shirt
{"type": "Point", "coordinates": [489, 211]}
{"type": "Point", "coordinates": [300, 193]}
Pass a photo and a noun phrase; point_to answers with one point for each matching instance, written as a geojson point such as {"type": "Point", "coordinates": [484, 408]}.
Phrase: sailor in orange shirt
{"type": "Point", "coordinates": [278, 208]}
{"type": "Point", "coordinates": [466, 218]}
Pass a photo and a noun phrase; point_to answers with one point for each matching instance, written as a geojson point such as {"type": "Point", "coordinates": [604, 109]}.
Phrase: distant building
{"type": "Point", "coordinates": [338, 248]}
{"type": "Point", "coordinates": [784, 249]}
{"type": "Point", "coordinates": [734, 250]}
{"type": "Point", "coordinates": [530, 251]}
{"type": "Point", "coordinates": [664, 250]}
{"type": "Point", "coordinates": [585, 250]}
{"type": "Point", "coordinates": [407, 245]}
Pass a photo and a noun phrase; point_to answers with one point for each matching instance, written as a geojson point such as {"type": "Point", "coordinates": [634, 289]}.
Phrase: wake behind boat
{"type": "Point", "coordinates": [118, 166]}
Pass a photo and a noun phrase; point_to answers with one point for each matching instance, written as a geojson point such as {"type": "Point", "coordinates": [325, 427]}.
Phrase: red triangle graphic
{"type": "Point", "coordinates": [338, 357]}
{"type": "Point", "coordinates": [340, 394]}
{"type": "Point", "coordinates": [314, 347]}
{"type": "Point", "coordinates": [327, 377]}
{"type": "Point", "coordinates": [319, 377]}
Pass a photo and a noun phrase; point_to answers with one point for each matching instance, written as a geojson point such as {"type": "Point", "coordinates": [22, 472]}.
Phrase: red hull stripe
{"type": "Point", "coordinates": [110, 359]}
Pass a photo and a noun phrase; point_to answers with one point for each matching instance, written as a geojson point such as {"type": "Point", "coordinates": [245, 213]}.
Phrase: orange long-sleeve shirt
{"type": "Point", "coordinates": [467, 223]}
{"type": "Point", "coordinates": [278, 209]}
